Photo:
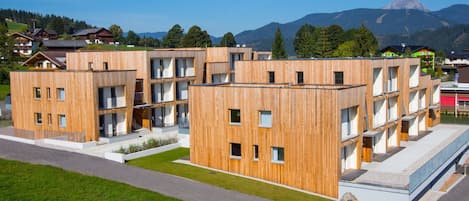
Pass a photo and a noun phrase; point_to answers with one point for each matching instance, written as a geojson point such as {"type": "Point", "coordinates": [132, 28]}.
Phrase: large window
{"type": "Point", "coordinates": [255, 149]}
{"type": "Point", "coordinates": [271, 77]}
{"type": "Point", "coordinates": [299, 77]}
{"type": "Point", "coordinates": [235, 150]}
{"type": "Point", "coordinates": [61, 94]}
{"type": "Point", "coordinates": [235, 116]}
{"type": "Point", "coordinates": [37, 93]}
{"type": "Point", "coordinates": [392, 79]}
{"type": "Point", "coordinates": [377, 81]}
{"type": "Point", "coordinates": [265, 119]}
{"type": "Point", "coordinates": [339, 78]}
{"type": "Point", "coordinates": [349, 122]}
{"type": "Point", "coordinates": [278, 155]}
{"type": "Point", "coordinates": [38, 118]}
{"type": "Point", "coordinates": [62, 121]}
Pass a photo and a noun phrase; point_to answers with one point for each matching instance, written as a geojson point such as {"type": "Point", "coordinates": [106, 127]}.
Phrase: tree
{"type": "Point", "coordinates": [305, 41]}
{"type": "Point", "coordinates": [174, 37]}
{"type": "Point", "coordinates": [116, 31]}
{"type": "Point", "coordinates": [278, 46]}
{"type": "Point", "coordinates": [367, 45]}
{"type": "Point", "coordinates": [8, 59]}
{"type": "Point", "coordinates": [149, 42]}
{"type": "Point", "coordinates": [336, 34]}
{"type": "Point", "coordinates": [346, 49]}
{"type": "Point", "coordinates": [324, 45]}
{"type": "Point", "coordinates": [132, 38]}
{"type": "Point", "coordinates": [228, 40]}
{"type": "Point", "coordinates": [195, 37]}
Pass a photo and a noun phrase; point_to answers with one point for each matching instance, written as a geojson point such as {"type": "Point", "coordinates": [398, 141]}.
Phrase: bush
{"type": "Point", "coordinates": [149, 144]}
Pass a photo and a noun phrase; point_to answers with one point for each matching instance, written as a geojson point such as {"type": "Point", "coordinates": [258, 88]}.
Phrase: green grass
{"type": "Point", "coordinates": [16, 27]}
{"type": "Point", "coordinates": [4, 90]}
{"type": "Point", "coordinates": [23, 181]}
{"type": "Point", "coordinates": [451, 119]}
{"type": "Point", "coordinates": [163, 163]}
{"type": "Point", "coordinates": [5, 123]}
{"type": "Point", "coordinates": [114, 47]}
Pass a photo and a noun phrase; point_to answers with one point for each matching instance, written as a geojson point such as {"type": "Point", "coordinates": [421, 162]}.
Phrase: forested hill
{"type": "Point", "coordinates": [60, 24]}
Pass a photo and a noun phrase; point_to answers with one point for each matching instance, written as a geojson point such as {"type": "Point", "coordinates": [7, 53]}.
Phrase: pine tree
{"type": "Point", "coordinates": [132, 38]}
{"type": "Point", "coordinates": [228, 40]}
{"type": "Point", "coordinates": [278, 46]}
{"type": "Point", "coordinates": [195, 37]}
{"type": "Point", "coordinates": [324, 46]}
{"type": "Point", "coordinates": [116, 31]}
{"type": "Point", "coordinates": [336, 34]}
{"type": "Point", "coordinates": [346, 49]}
{"type": "Point", "coordinates": [174, 37]}
{"type": "Point", "coordinates": [304, 42]}
{"type": "Point", "coordinates": [367, 45]}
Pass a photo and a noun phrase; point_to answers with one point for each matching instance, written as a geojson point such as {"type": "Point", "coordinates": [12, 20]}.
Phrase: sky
{"type": "Point", "coordinates": [215, 16]}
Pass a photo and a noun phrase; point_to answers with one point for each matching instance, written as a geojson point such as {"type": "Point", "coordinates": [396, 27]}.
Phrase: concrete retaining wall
{"type": "Point", "coordinates": [121, 158]}
{"type": "Point", "coordinates": [17, 139]}
{"type": "Point", "coordinates": [69, 144]}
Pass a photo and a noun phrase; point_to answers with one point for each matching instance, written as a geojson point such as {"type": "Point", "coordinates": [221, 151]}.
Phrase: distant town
{"type": "Point", "coordinates": [355, 109]}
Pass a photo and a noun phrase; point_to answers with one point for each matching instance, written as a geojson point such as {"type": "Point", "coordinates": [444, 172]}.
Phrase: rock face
{"type": "Point", "coordinates": [406, 4]}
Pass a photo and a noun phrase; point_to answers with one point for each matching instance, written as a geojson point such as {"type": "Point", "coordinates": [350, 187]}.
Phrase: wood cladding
{"type": "Point", "coordinates": [305, 122]}
{"type": "Point", "coordinates": [80, 105]}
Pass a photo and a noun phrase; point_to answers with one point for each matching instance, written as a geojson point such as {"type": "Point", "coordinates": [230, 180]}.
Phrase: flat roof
{"type": "Point", "coordinates": [338, 58]}
{"type": "Point", "coordinates": [281, 85]}
{"type": "Point", "coordinates": [396, 171]}
{"type": "Point", "coordinates": [73, 71]}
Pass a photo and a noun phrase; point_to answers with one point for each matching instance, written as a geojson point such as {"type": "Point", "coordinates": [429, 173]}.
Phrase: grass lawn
{"type": "Point", "coordinates": [4, 90]}
{"type": "Point", "coordinates": [23, 181]}
{"type": "Point", "coordinates": [451, 119]}
{"type": "Point", "coordinates": [163, 163]}
{"type": "Point", "coordinates": [16, 27]}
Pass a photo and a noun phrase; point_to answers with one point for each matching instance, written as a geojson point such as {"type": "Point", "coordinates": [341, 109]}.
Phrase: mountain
{"type": "Point", "coordinates": [381, 22]}
{"type": "Point", "coordinates": [406, 4]}
{"type": "Point", "coordinates": [157, 35]}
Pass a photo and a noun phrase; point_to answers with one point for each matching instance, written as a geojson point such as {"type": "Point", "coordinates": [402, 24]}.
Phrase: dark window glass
{"type": "Point", "coordinates": [236, 149]}
{"type": "Point", "coordinates": [235, 116]}
{"type": "Point", "coordinates": [271, 77]}
{"type": "Point", "coordinates": [339, 77]}
{"type": "Point", "coordinates": [299, 77]}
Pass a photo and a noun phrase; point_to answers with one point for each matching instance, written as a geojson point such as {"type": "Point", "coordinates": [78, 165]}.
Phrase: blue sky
{"type": "Point", "coordinates": [215, 16]}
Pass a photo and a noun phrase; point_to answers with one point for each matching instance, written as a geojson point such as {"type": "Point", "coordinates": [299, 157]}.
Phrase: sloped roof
{"type": "Point", "coordinates": [56, 57]}
{"type": "Point", "coordinates": [401, 48]}
{"type": "Point", "coordinates": [22, 35]}
{"type": "Point", "coordinates": [64, 43]}
{"type": "Point", "coordinates": [85, 32]}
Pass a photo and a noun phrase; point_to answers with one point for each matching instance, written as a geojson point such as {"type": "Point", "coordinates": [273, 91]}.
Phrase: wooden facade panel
{"type": "Point", "coordinates": [306, 122]}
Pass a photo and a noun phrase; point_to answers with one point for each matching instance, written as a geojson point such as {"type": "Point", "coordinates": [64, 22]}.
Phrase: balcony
{"type": "Point", "coordinates": [392, 80]}
{"type": "Point", "coordinates": [414, 76]}
{"type": "Point", "coordinates": [413, 102]}
{"type": "Point", "coordinates": [392, 109]}
{"type": "Point", "coordinates": [163, 116]}
{"type": "Point", "coordinates": [185, 67]}
{"type": "Point", "coordinates": [162, 92]}
{"type": "Point", "coordinates": [111, 97]}
{"type": "Point", "coordinates": [379, 113]}
{"type": "Point", "coordinates": [422, 100]}
{"type": "Point", "coordinates": [377, 81]}
{"type": "Point", "coordinates": [182, 90]}
{"type": "Point", "coordinates": [161, 68]}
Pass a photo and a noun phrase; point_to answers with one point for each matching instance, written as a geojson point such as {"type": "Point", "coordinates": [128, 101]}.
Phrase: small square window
{"type": "Point", "coordinates": [235, 116]}
{"type": "Point", "coordinates": [49, 119]}
{"type": "Point", "coordinates": [256, 152]}
{"type": "Point", "coordinates": [265, 119]}
{"type": "Point", "coordinates": [339, 78]}
{"type": "Point", "coordinates": [38, 118]}
{"type": "Point", "coordinates": [62, 121]}
{"type": "Point", "coordinates": [278, 155]}
{"type": "Point", "coordinates": [299, 77]}
{"type": "Point", "coordinates": [235, 150]}
{"type": "Point", "coordinates": [61, 94]}
{"type": "Point", "coordinates": [105, 66]}
{"type": "Point", "coordinates": [37, 93]}
{"type": "Point", "coordinates": [271, 77]}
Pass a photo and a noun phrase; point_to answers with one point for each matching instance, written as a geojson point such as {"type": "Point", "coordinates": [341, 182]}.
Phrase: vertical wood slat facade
{"type": "Point", "coordinates": [80, 105]}
{"type": "Point", "coordinates": [305, 121]}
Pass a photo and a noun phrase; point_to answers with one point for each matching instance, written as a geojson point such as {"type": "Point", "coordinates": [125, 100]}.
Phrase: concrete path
{"type": "Point", "coordinates": [458, 192]}
{"type": "Point", "coordinates": [173, 186]}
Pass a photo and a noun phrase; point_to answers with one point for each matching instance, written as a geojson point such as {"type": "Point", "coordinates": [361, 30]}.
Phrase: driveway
{"type": "Point", "coordinates": [169, 185]}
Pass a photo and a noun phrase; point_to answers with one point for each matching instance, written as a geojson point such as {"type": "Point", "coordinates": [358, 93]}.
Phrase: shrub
{"type": "Point", "coordinates": [149, 144]}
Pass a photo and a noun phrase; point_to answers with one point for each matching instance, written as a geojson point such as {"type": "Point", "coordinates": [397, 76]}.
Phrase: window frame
{"type": "Point", "coordinates": [38, 118]}
{"type": "Point", "coordinates": [261, 125]}
{"type": "Point", "coordinates": [300, 76]}
{"type": "Point", "coordinates": [342, 77]}
{"type": "Point", "coordinates": [275, 158]}
{"type": "Point", "coordinates": [49, 119]}
{"type": "Point", "coordinates": [231, 115]}
{"type": "Point", "coordinates": [60, 121]}
{"type": "Point", "coordinates": [58, 94]}
{"type": "Point", "coordinates": [255, 151]}
{"type": "Point", "coordinates": [231, 151]}
{"type": "Point", "coordinates": [37, 93]}
{"type": "Point", "coordinates": [271, 77]}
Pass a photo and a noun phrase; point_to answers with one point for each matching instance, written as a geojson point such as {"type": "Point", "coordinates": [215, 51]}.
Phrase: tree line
{"type": "Point", "coordinates": [325, 42]}
{"type": "Point", "coordinates": [175, 38]}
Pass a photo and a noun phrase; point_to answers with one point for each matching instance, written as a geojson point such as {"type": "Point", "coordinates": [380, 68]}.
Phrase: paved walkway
{"type": "Point", "coordinates": [459, 192]}
{"type": "Point", "coordinates": [173, 186]}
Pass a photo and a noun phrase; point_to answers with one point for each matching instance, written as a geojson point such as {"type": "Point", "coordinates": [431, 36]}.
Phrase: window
{"type": "Point", "coordinates": [37, 93]}
{"type": "Point", "coordinates": [349, 124]}
{"type": "Point", "coordinates": [235, 150]}
{"type": "Point", "coordinates": [61, 94]}
{"type": "Point", "coordinates": [255, 149]}
{"type": "Point", "coordinates": [278, 155]}
{"type": "Point", "coordinates": [90, 65]}
{"type": "Point", "coordinates": [105, 66]}
{"type": "Point", "coordinates": [235, 116]}
{"type": "Point", "coordinates": [49, 119]}
{"type": "Point", "coordinates": [271, 77]}
{"type": "Point", "coordinates": [48, 93]}
{"type": "Point", "coordinates": [62, 121]}
{"type": "Point", "coordinates": [38, 118]}
{"type": "Point", "coordinates": [265, 119]}
{"type": "Point", "coordinates": [299, 77]}
{"type": "Point", "coordinates": [339, 77]}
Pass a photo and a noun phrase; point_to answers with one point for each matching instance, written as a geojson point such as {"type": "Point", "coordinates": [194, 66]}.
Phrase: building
{"type": "Point", "coordinates": [397, 97]}
{"type": "Point", "coordinates": [44, 34]}
{"type": "Point", "coordinates": [455, 95]}
{"type": "Point", "coordinates": [94, 36]}
{"type": "Point", "coordinates": [426, 54]}
{"type": "Point", "coordinates": [304, 136]}
{"type": "Point", "coordinates": [44, 103]}
{"type": "Point", "coordinates": [457, 59]}
{"type": "Point", "coordinates": [62, 45]}
{"type": "Point", "coordinates": [46, 60]}
{"type": "Point", "coordinates": [24, 44]}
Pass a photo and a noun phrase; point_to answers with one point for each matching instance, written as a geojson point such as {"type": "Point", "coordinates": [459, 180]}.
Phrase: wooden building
{"type": "Point", "coordinates": [392, 92]}
{"type": "Point", "coordinates": [24, 44]}
{"type": "Point", "coordinates": [44, 34]}
{"type": "Point", "coordinates": [46, 60]}
{"type": "Point", "coordinates": [95, 36]}
{"type": "Point", "coordinates": [302, 136]}
{"type": "Point", "coordinates": [78, 105]}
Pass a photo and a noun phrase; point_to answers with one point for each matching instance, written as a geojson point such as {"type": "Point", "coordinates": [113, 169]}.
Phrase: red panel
{"type": "Point", "coordinates": [447, 100]}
